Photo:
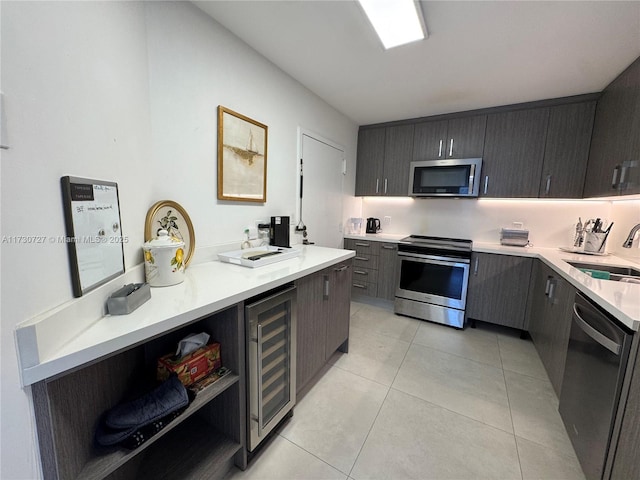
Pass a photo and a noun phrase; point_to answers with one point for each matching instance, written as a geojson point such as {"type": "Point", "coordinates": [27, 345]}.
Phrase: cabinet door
{"type": "Point", "coordinates": [338, 299]}
{"type": "Point", "coordinates": [311, 328]}
{"type": "Point", "coordinates": [465, 137]}
{"type": "Point", "coordinates": [429, 140]}
{"type": "Point", "coordinates": [567, 150]}
{"type": "Point", "coordinates": [561, 301]}
{"type": "Point", "coordinates": [388, 271]}
{"type": "Point", "coordinates": [370, 160]}
{"type": "Point", "coordinates": [398, 150]}
{"type": "Point", "coordinates": [498, 289]}
{"type": "Point", "coordinates": [513, 153]}
{"type": "Point", "coordinates": [538, 307]}
{"type": "Point", "coordinates": [616, 135]}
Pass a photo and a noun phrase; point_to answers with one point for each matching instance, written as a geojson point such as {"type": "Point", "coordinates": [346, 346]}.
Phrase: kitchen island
{"type": "Point", "coordinates": [77, 373]}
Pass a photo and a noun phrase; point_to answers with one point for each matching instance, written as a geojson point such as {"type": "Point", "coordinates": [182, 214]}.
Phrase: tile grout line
{"type": "Point", "coordinates": [312, 454]}
{"type": "Point", "coordinates": [381, 405]}
{"type": "Point", "coordinates": [506, 389]}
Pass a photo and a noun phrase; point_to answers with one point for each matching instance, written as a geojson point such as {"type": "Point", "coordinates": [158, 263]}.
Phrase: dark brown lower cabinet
{"type": "Point", "coordinates": [549, 320]}
{"type": "Point", "coordinates": [498, 289]}
{"type": "Point", "coordinates": [388, 271]}
{"type": "Point", "coordinates": [324, 306]}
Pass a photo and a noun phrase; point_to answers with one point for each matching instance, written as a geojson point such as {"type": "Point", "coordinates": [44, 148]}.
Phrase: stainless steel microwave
{"type": "Point", "coordinates": [445, 178]}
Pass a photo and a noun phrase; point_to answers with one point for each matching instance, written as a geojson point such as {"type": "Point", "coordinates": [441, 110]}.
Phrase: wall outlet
{"type": "Point", "coordinates": [386, 221]}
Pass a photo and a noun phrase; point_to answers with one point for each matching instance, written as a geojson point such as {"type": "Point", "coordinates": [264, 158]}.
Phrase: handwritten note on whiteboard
{"type": "Point", "coordinates": [94, 232]}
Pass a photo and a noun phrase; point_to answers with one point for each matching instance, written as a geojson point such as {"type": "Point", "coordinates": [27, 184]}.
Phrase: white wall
{"type": "Point", "coordinates": [126, 91]}
{"type": "Point", "coordinates": [551, 223]}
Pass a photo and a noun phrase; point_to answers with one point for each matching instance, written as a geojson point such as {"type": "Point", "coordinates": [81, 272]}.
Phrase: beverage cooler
{"type": "Point", "coordinates": [271, 352]}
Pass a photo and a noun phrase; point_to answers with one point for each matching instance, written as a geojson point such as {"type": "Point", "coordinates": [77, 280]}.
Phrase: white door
{"type": "Point", "coordinates": [322, 192]}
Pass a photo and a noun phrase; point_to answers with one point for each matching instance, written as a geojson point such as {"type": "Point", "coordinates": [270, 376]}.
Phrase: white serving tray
{"type": "Point", "coordinates": [276, 254]}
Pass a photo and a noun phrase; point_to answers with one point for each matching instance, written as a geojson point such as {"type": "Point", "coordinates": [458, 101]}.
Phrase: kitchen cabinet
{"type": "Point", "coordinates": [365, 266]}
{"type": "Point", "coordinates": [456, 138]}
{"type": "Point", "coordinates": [614, 158]}
{"type": "Point", "coordinates": [370, 161]}
{"type": "Point", "coordinates": [567, 150]}
{"type": "Point", "coordinates": [513, 153]}
{"type": "Point", "coordinates": [498, 289]}
{"type": "Point", "coordinates": [208, 436]}
{"type": "Point", "coordinates": [324, 305]}
{"type": "Point", "coordinates": [383, 161]}
{"type": "Point", "coordinates": [387, 271]}
{"type": "Point", "coordinates": [549, 320]}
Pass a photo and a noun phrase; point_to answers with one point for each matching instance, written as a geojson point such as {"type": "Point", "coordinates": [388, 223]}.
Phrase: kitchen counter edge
{"type": "Point", "coordinates": [208, 287]}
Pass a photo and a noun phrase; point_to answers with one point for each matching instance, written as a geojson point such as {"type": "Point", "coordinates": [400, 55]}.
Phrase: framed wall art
{"type": "Point", "coordinates": [242, 157]}
{"type": "Point", "coordinates": [94, 233]}
{"type": "Point", "coordinates": [170, 216]}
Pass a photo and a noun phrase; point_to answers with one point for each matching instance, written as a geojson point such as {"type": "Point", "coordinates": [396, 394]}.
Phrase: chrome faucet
{"type": "Point", "coordinates": [629, 241]}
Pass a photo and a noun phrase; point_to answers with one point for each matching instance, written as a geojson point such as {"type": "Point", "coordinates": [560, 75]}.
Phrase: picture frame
{"type": "Point", "coordinates": [242, 157]}
{"type": "Point", "coordinates": [172, 217]}
{"type": "Point", "coordinates": [94, 239]}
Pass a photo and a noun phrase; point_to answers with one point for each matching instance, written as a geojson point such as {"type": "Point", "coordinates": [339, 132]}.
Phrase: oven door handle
{"type": "Point", "coordinates": [433, 259]}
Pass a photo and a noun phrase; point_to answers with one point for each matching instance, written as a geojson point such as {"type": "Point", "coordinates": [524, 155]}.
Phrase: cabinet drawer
{"type": "Point", "coordinates": [366, 247]}
{"type": "Point", "coordinates": [363, 288]}
{"type": "Point", "coordinates": [362, 274]}
{"type": "Point", "coordinates": [365, 261]}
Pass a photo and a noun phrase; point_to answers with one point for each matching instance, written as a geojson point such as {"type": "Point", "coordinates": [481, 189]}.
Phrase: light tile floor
{"type": "Point", "coordinates": [416, 400]}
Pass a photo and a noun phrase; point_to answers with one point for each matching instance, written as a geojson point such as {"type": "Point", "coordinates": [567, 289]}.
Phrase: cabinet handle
{"type": "Point", "coordinates": [546, 287]}
{"type": "Point", "coordinates": [385, 185]}
{"type": "Point", "coordinates": [451, 148]}
{"type": "Point", "coordinates": [614, 180]}
{"type": "Point", "coordinates": [475, 267]}
{"type": "Point", "coordinates": [440, 149]}
{"type": "Point", "coordinates": [357, 285]}
{"type": "Point", "coordinates": [360, 244]}
{"type": "Point", "coordinates": [341, 269]}
{"type": "Point", "coordinates": [552, 289]}
{"type": "Point", "coordinates": [360, 272]}
{"type": "Point", "coordinates": [388, 247]}
{"type": "Point", "coordinates": [377, 185]}
{"type": "Point", "coordinates": [486, 183]}
{"type": "Point", "coordinates": [326, 287]}
{"type": "Point", "coordinates": [365, 259]}
{"type": "Point", "coordinates": [623, 175]}
{"type": "Point", "coordinates": [548, 187]}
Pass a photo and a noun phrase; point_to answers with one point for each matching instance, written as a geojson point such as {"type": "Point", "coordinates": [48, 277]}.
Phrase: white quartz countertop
{"type": "Point", "coordinates": [622, 300]}
{"type": "Point", "coordinates": [208, 287]}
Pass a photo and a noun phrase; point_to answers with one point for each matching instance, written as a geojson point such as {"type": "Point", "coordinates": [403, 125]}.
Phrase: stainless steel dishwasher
{"type": "Point", "coordinates": [271, 359]}
{"type": "Point", "coordinates": [596, 363]}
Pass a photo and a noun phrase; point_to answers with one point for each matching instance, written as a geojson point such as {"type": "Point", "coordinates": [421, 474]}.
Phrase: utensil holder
{"type": "Point", "coordinates": [595, 242]}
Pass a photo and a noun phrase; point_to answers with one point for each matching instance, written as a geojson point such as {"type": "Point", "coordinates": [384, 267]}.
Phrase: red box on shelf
{"type": "Point", "coordinates": [191, 367]}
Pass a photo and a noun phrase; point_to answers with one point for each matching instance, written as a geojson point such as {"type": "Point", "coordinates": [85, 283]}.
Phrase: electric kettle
{"type": "Point", "coordinates": [373, 225]}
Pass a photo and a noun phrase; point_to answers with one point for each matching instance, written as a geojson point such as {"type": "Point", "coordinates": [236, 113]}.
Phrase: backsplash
{"type": "Point", "coordinates": [551, 223]}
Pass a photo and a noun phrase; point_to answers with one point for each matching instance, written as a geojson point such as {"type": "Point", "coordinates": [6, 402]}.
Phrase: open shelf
{"type": "Point", "coordinates": [102, 464]}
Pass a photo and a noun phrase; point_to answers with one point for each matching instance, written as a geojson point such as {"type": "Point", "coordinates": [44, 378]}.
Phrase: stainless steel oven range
{"type": "Point", "coordinates": [434, 275]}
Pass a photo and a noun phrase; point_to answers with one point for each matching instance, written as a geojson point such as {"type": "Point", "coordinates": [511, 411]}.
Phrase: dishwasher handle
{"type": "Point", "coordinates": [606, 342]}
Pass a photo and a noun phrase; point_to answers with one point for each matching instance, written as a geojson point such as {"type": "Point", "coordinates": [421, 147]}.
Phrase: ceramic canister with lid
{"type": "Point", "coordinates": [164, 260]}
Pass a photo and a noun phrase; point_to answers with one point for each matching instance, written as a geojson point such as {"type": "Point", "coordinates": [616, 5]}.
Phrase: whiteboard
{"type": "Point", "coordinates": [94, 232]}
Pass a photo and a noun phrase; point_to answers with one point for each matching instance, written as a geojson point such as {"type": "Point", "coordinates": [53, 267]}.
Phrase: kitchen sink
{"type": "Point", "coordinates": [616, 273]}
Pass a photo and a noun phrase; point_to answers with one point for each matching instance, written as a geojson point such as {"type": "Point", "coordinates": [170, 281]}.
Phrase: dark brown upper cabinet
{"type": "Point", "coordinates": [456, 138]}
{"type": "Point", "coordinates": [384, 154]}
{"type": "Point", "coordinates": [567, 150]}
{"type": "Point", "coordinates": [513, 153]}
{"type": "Point", "coordinates": [614, 159]}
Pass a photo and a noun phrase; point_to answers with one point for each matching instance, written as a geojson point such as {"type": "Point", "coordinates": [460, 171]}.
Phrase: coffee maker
{"type": "Point", "coordinates": [279, 232]}
{"type": "Point", "coordinates": [373, 225]}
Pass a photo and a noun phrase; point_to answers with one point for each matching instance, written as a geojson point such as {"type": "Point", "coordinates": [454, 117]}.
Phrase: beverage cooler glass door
{"type": "Point", "coordinates": [271, 359]}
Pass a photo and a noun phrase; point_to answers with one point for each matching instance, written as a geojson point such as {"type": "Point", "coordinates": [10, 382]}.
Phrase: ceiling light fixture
{"type": "Point", "coordinates": [396, 22]}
